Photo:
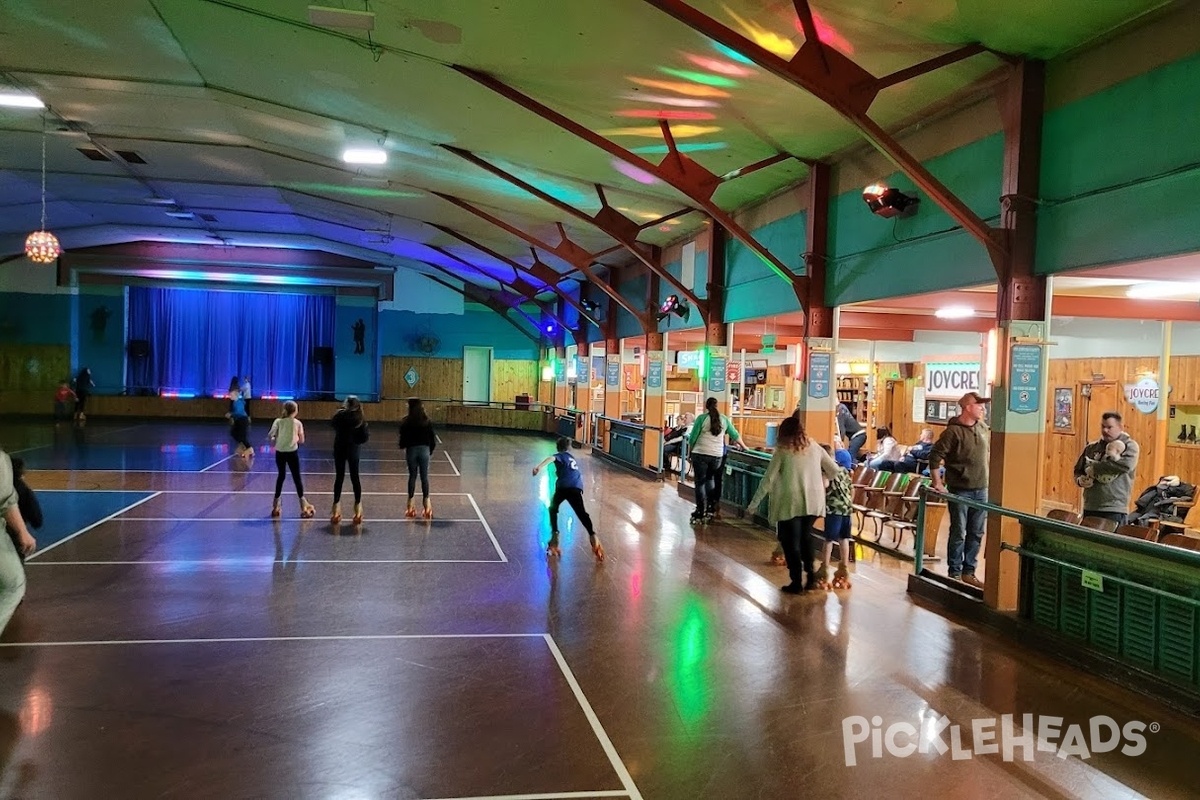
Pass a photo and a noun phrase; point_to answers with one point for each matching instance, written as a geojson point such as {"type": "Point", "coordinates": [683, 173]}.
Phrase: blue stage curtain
{"type": "Point", "coordinates": [199, 339]}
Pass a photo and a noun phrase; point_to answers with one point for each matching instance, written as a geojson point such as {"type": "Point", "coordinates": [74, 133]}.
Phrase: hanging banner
{"type": "Point", "coordinates": [612, 378]}
{"type": "Point", "coordinates": [654, 370]}
{"type": "Point", "coordinates": [820, 370]}
{"type": "Point", "coordinates": [1025, 378]}
{"type": "Point", "coordinates": [560, 371]}
{"type": "Point", "coordinates": [716, 376]}
{"type": "Point", "coordinates": [581, 367]}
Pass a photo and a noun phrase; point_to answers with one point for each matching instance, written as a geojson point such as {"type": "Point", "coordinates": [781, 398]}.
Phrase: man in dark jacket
{"type": "Point", "coordinates": [963, 450]}
{"type": "Point", "coordinates": [1105, 471]}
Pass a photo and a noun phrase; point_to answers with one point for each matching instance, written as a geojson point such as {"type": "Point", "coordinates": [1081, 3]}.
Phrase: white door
{"type": "Point", "coordinates": [477, 374]}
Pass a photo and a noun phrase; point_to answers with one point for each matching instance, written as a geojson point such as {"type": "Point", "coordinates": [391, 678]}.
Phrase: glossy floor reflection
{"type": "Point", "coordinates": [190, 646]}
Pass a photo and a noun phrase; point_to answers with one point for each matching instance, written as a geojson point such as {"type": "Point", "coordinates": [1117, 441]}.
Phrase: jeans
{"type": "Point", "coordinates": [795, 537]}
{"type": "Point", "coordinates": [418, 463]}
{"type": "Point", "coordinates": [1116, 516]}
{"type": "Point", "coordinates": [966, 533]}
{"type": "Point", "coordinates": [855, 444]}
{"type": "Point", "coordinates": [704, 470]}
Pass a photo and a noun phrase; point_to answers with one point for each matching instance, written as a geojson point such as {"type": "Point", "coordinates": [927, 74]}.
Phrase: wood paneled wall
{"type": "Point", "coordinates": [32, 367]}
{"type": "Point", "coordinates": [443, 377]}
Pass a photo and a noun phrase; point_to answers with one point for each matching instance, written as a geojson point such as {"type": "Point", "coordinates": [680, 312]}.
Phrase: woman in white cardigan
{"type": "Point", "coordinates": [795, 487]}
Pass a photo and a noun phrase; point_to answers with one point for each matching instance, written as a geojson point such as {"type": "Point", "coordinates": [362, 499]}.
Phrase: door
{"type": "Point", "coordinates": [477, 374]}
{"type": "Point", "coordinates": [1100, 397]}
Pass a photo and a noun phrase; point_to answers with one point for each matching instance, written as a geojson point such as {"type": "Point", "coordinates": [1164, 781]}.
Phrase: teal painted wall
{"type": "Point", "coordinates": [633, 290]}
{"type": "Point", "coordinates": [754, 290]}
{"type": "Point", "coordinates": [1121, 172]}
{"type": "Point", "coordinates": [100, 336]}
{"type": "Point", "coordinates": [355, 373]}
{"type": "Point", "coordinates": [35, 318]}
{"type": "Point", "coordinates": [476, 326]}
{"type": "Point", "coordinates": [872, 257]}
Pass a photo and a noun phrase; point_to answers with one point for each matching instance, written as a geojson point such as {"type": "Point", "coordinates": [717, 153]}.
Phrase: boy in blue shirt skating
{"type": "Point", "coordinates": [568, 486]}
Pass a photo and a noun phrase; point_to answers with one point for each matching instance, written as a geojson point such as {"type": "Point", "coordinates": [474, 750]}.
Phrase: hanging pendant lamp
{"type": "Point", "coordinates": [42, 246]}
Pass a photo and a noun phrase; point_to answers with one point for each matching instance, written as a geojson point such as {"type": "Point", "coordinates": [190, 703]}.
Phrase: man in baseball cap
{"type": "Point", "coordinates": [963, 450]}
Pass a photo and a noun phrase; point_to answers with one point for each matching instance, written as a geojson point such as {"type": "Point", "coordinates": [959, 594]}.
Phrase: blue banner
{"type": "Point", "coordinates": [716, 375]}
{"type": "Point", "coordinates": [654, 372]}
{"type": "Point", "coordinates": [581, 371]}
{"type": "Point", "coordinates": [1025, 378]}
{"type": "Point", "coordinates": [820, 370]}
{"type": "Point", "coordinates": [612, 377]}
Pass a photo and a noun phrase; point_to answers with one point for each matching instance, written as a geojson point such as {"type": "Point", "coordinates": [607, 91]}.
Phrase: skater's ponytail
{"type": "Point", "coordinates": [714, 416]}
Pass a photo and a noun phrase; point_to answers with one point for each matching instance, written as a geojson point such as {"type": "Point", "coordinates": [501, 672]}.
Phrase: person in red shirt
{"type": "Point", "coordinates": [61, 396]}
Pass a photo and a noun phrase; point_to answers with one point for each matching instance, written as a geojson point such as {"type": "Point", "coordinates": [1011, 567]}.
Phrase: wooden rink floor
{"type": "Point", "coordinates": [176, 642]}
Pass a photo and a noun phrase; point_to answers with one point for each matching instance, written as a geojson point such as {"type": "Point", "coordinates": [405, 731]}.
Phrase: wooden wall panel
{"type": "Point", "coordinates": [511, 378]}
{"type": "Point", "coordinates": [437, 377]}
{"type": "Point", "coordinates": [33, 367]}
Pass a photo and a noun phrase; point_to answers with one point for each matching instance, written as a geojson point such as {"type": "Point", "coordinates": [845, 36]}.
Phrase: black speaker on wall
{"type": "Point", "coordinates": [139, 348]}
{"type": "Point", "coordinates": [322, 355]}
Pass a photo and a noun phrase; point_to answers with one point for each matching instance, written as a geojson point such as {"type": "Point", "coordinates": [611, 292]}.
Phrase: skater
{"type": "Point", "coordinates": [349, 431]}
{"type": "Point", "coordinates": [838, 495]}
{"type": "Point", "coordinates": [239, 422]}
{"type": "Point", "coordinates": [83, 390]}
{"type": "Point", "coordinates": [244, 389]}
{"type": "Point", "coordinates": [61, 396]}
{"type": "Point", "coordinates": [13, 547]}
{"type": "Point", "coordinates": [287, 434]}
{"type": "Point", "coordinates": [706, 443]}
{"type": "Point", "coordinates": [794, 482]}
{"type": "Point", "coordinates": [568, 486]}
{"type": "Point", "coordinates": [418, 441]}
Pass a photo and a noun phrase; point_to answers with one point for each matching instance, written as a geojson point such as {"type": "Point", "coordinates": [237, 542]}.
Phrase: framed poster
{"type": "Point", "coordinates": [1064, 410]}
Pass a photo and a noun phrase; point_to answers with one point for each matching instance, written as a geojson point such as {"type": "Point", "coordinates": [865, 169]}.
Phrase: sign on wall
{"type": "Point", "coordinates": [1025, 378]}
{"type": "Point", "coordinates": [581, 370]}
{"type": "Point", "coordinates": [1143, 395]}
{"type": "Point", "coordinates": [612, 377]}
{"type": "Point", "coordinates": [654, 370]}
{"type": "Point", "coordinates": [820, 370]}
{"type": "Point", "coordinates": [716, 375]}
{"type": "Point", "coordinates": [951, 380]}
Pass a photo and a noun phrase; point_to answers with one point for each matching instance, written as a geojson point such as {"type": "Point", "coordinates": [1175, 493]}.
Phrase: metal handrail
{"type": "Point", "coordinates": [1021, 551]}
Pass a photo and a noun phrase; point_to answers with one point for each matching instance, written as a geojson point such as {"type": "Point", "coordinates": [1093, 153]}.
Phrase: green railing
{"type": "Point", "coordinates": [1129, 599]}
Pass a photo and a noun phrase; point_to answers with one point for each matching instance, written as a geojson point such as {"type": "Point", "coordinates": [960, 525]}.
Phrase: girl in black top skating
{"type": "Point", "coordinates": [418, 441]}
{"type": "Point", "coordinates": [349, 431]}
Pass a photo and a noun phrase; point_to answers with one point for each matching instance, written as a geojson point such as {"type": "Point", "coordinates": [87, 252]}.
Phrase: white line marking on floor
{"type": "Point", "coordinates": [487, 528]}
{"type": "Point", "coordinates": [328, 638]}
{"type": "Point", "coordinates": [267, 491]}
{"type": "Point", "coordinates": [222, 461]}
{"type": "Point", "coordinates": [452, 464]}
{"type": "Point", "coordinates": [376, 474]}
{"type": "Point", "coordinates": [48, 548]}
{"type": "Point", "coordinates": [597, 728]}
{"type": "Point", "coordinates": [550, 796]}
{"type": "Point", "coordinates": [369, 520]}
{"type": "Point", "coordinates": [235, 563]}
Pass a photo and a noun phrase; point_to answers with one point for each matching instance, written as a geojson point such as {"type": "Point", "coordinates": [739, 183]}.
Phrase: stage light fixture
{"type": "Point", "coordinates": [673, 305]}
{"type": "Point", "coordinates": [888, 202]}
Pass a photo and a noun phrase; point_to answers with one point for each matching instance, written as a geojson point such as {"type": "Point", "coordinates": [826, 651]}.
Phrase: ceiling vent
{"type": "Point", "coordinates": [327, 17]}
{"type": "Point", "coordinates": [92, 154]}
{"type": "Point", "coordinates": [131, 157]}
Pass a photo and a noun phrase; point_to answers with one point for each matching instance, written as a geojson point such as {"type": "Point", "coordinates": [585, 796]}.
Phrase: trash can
{"type": "Point", "coordinates": [772, 434]}
{"type": "Point", "coordinates": [522, 401]}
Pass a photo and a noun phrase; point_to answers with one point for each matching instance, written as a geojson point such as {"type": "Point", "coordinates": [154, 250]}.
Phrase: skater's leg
{"type": "Point", "coordinates": [423, 467]}
{"type": "Point", "coordinates": [339, 475]}
{"type": "Point", "coordinates": [806, 549]}
{"type": "Point", "coordinates": [281, 466]}
{"type": "Point", "coordinates": [555, 502]}
{"type": "Point", "coordinates": [293, 462]}
{"type": "Point", "coordinates": [355, 483]}
{"type": "Point", "coordinates": [788, 531]}
{"type": "Point", "coordinates": [575, 498]}
{"type": "Point", "coordinates": [410, 456]}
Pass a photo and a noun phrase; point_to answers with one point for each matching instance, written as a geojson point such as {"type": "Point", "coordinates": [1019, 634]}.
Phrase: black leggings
{"type": "Point", "coordinates": [418, 464]}
{"type": "Point", "coordinates": [795, 537]}
{"type": "Point", "coordinates": [339, 468]}
{"type": "Point", "coordinates": [241, 431]}
{"type": "Point", "coordinates": [575, 498]}
{"type": "Point", "coordinates": [283, 462]}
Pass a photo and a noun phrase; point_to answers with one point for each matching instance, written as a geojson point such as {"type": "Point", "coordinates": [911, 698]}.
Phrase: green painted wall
{"type": "Point", "coordinates": [872, 257]}
{"type": "Point", "coordinates": [1121, 172]}
{"type": "Point", "coordinates": [753, 289]}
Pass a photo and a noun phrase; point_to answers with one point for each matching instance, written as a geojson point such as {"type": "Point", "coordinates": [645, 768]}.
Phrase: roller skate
{"type": "Point", "coordinates": [597, 549]}
{"type": "Point", "coordinates": [276, 509]}
{"type": "Point", "coordinates": [335, 515]}
{"type": "Point", "coordinates": [411, 511]}
{"type": "Point", "coordinates": [358, 514]}
{"type": "Point", "coordinates": [428, 512]}
{"type": "Point", "coordinates": [777, 558]}
{"type": "Point", "coordinates": [820, 578]}
{"type": "Point", "coordinates": [552, 549]}
{"type": "Point", "coordinates": [841, 578]}
{"type": "Point", "coordinates": [307, 511]}
{"type": "Point", "coordinates": [698, 518]}
{"type": "Point", "coordinates": [811, 582]}
{"type": "Point", "coordinates": [714, 513]}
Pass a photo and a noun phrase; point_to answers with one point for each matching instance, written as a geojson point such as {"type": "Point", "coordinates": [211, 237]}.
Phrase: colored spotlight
{"type": "Point", "coordinates": [666, 100]}
{"type": "Point", "coordinates": [679, 132]}
{"type": "Point", "coordinates": [662, 113]}
{"type": "Point", "coordinates": [718, 66]}
{"type": "Point", "coordinates": [689, 89]}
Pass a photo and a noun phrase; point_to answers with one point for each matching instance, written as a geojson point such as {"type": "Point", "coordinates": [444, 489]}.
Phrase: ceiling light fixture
{"type": "Point", "coordinates": [20, 100]}
{"type": "Point", "coordinates": [888, 201]}
{"type": "Point", "coordinates": [364, 155]}
{"type": "Point", "coordinates": [673, 305]}
{"type": "Point", "coordinates": [954, 312]}
{"type": "Point", "coordinates": [1156, 290]}
{"type": "Point", "coordinates": [41, 246]}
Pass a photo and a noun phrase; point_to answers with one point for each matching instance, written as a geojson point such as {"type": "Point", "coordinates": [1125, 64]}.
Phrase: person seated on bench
{"type": "Point", "coordinates": [673, 439]}
{"type": "Point", "coordinates": [916, 457]}
{"type": "Point", "coordinates": [888, 449]}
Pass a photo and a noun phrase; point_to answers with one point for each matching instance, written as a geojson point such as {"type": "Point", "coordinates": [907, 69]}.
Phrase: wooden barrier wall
{"type": "Point", "coordinates": [35, 368]}
{"type": "Point", "coordinates": [443, 377]}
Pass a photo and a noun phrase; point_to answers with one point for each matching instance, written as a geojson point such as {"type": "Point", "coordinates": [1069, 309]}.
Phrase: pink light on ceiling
{"type": "Point", "coordinates": [829, 35]}
{"type": "Point", "coordinates": [659, 113]}
{"type": "Point", "coordinates": [719, 66]}
{"type": "Point", "coordinates": [688, 89]}
{"type": "Point", "coordinates": [630, 171]}
{"type": "Point", "coordinates": [666, 100]}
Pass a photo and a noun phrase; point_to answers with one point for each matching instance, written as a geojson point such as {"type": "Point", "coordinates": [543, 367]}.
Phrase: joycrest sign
{"type": "Point", "coordinates": [951, 381]}
{"type": "Point", "coordinates": [1143, 395]}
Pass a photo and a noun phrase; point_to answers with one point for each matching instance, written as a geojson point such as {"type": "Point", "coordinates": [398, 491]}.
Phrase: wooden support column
{"type": "Point", "coordinates": [717, 347]}
{"type": "Point", "coordinates": [654, 406]}
{"type": "Point", "coordinates": [814, 370]}
{"type": "Point", "coordinates": [561, 388]}
{"type": "Point", "coordinates": [1017, 416]}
